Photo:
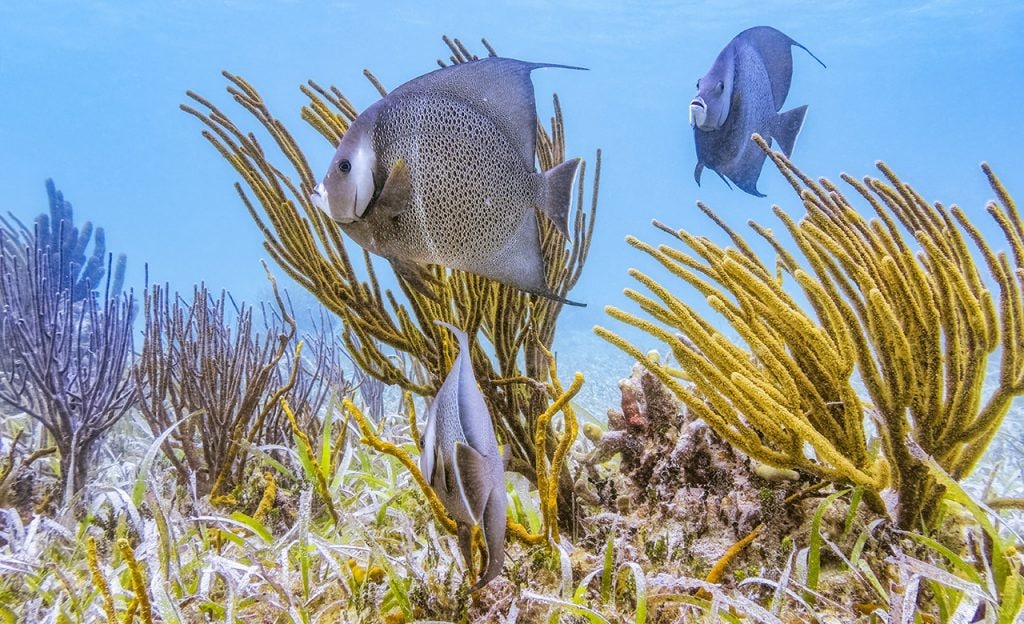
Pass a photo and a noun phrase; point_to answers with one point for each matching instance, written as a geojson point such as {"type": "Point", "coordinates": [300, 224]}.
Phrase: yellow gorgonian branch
{"type": "Point", "coordinates": [370, 437]}
{"type": "Point", "coordinates": [896, 300]}
{"type": "Point", "coordinates": [319, 478]}
{"type": "Point", "coordinates": [547, 476]}
{"type": "Point", "coordinates": [100, 581]}
{"type": "Point", "coordinates": [138, 581]}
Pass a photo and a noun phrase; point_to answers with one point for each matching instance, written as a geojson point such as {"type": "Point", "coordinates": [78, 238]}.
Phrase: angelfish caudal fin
{"type": "Point", "coordinates": [556, 194]}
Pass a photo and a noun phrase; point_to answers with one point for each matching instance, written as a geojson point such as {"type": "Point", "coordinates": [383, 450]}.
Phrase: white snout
{"type": "Point", "coordinates": [698, 113]}
{"type": "Point", "coordinates": [320, 199]}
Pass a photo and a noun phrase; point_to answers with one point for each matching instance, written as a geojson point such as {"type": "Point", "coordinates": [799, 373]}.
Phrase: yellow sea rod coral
{"type": "Point", "coordinates": [896, 299]}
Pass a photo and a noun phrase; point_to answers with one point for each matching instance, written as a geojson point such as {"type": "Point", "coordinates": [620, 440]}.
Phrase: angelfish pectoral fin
{"type": "Point", "coordinates": [394, 197]}
{"type": "Point", "coordinates": [471, 479]}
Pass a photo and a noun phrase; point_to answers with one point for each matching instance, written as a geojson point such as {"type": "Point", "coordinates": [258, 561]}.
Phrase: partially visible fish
{"type": "Point", "coordinates": [441, 171]}
{"type": "Point", "coordinates": [741, 94]}
{"type": "Point", "coordinates": [461, 461]}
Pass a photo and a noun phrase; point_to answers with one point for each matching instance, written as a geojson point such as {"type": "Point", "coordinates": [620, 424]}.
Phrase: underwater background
{"type": "Point", "coordinates": [91, 94]}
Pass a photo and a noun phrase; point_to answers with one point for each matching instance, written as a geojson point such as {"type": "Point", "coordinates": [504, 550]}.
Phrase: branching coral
{"type": "Point", "coordinates": [223, 381]}
{"type": "Point", "coordinates": [310, 248]}
{"type": "Point", "coordinates": [65, 245]}
{"type": "Point", "coordinates": [64, 361]}
{"type": "Point", "coordinates": [917, 327]}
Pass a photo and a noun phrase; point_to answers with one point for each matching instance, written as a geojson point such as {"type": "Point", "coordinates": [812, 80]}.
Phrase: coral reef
{"type": "Point", "coordinates": [515, 327]}
{"type": "Point", "coordinates": [917, 328]}
{"type": "Point", "coordinates": [672, 466]}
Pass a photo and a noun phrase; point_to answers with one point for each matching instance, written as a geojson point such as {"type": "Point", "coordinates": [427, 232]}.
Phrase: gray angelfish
{"type": "Point", "coordinates": [441, 171]}
{"type": "Point", "coordinates": [461, 461]}
{"type": "Point", "coordinates": [741, 94]}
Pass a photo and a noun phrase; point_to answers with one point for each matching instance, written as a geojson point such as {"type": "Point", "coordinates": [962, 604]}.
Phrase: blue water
{"type": "Point", "coordinates": [89, 95]}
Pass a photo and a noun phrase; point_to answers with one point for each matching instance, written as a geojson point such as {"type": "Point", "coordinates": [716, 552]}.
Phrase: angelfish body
{"type": "Point", "coordinates": [461, 461]}
{"type": "Point", "coordinates": [740, 95]}
{"type": "Point", "coordinates": [441, 171]}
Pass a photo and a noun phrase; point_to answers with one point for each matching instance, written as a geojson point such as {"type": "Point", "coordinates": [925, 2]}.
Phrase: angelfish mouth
{"type": "Point", "coordinates": [698, 112]}
{"type": "Point", "coordinates": [319, 198]}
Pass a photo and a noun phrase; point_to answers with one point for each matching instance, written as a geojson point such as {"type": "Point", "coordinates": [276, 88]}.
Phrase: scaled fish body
{"type": "Point", "coordinates": [461, 461]}
{"type": "Point", "coordinates": [441, 171]}
{"type": "Point", "coordinates": [741, 94]}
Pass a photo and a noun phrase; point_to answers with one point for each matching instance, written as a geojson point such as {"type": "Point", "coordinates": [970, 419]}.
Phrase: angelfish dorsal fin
{"type": "Point", "coordinates": [500, 88]}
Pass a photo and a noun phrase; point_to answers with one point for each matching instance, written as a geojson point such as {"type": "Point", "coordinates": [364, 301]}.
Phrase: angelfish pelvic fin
{"type": "Point", "coordinates": [394, 197]}
{"type": "Point", "coordinates": [416, 275]}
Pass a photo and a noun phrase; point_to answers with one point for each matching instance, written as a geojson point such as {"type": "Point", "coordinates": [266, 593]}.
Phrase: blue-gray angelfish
{"type": "Point", "coordinates": [461, 461]}
{"type": "Point", "coordinates": [741, 94]}
{"type": "Point", "coordinates": [442, 171]}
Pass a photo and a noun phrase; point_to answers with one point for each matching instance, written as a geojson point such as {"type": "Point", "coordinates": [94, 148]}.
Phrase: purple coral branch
{"type": "Point", "coordinates": [64, 360]}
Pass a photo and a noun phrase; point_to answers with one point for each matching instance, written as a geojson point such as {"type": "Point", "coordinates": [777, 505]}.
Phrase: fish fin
{"type": "Point", "coordinates": [470, 475]}
{"type": "Point", "coordinates": [495, 524]}
{"type": "Point", "coordinates": [394, 197]}
{"type": "Point", "coordinates": [724, 179]}
{"type": "Point", "coordinates": [556, 196]}
{"type": "Point", "coordinates": [499, 87]}
{"type": "Point", "coordinates": [416, 275]}
{"type": "Point", "coordinates": [460, 335]}
{"type": "Point", "coordinates": [547, 294]}
{"type": "Point", "coordinates": [465, 535]}
{"type": "Point", "coordinates": [775, 50]}
{"type": "Point", "coordinates": [788, 127]}
{"type": "Point", "coordinates": [699, 169]}
{"type": "Point", "coordinates": [428, 447]}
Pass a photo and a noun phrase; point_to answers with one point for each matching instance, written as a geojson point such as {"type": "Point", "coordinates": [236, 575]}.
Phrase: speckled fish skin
{"type": "Point", "coordinates": [741, 94]}
{"type": "Point", "coordinates": [448, 159]}
{"type": "Point", "coordinates": [461, 461]}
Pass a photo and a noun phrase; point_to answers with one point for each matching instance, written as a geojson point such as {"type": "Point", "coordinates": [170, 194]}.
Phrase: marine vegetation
{"type": "Point", "coordinates": [741, 94]}
{"type": "Point", "coordinates": [65, 353]}
{"type": "Point", "coordinates": [517, 328]}
{"type": "Point", "coordinates": [897, 303]}
{"type": "Point", "coordinates": [66, 245]}
{"type": "Point", "coordinates": [216, 386]}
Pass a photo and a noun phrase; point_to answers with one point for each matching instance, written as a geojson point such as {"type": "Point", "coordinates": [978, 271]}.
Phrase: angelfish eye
{"type": "Point", "coordinates": [698, 83]}
{"type": "Point", "coordinates": [344, 166]}
{"type": "Point", "coordinates": [721, 86]}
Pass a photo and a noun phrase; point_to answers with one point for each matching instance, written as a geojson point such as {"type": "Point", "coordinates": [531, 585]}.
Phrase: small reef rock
{"type": "Point", "coordinates": [678, 494]}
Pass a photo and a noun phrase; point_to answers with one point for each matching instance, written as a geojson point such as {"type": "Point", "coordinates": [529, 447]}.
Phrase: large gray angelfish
{"type": "Point", "coordinates": [441, 171]}
{"type": "Point", "coordinates": [461, 461]}
{"type": "Point", "coordinates": [741, 94]}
